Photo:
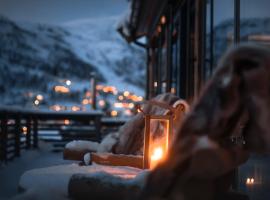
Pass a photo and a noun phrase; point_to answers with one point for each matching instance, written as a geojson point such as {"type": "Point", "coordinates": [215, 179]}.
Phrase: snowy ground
{"type": "Point", "coordinates": [30, 159]}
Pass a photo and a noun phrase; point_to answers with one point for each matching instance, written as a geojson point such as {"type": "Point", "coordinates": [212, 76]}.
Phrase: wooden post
{"type": "Point", "coordinates": [93, 91]}
{"type": "Point", "coordinates": [35, 132]}
{"type": "Point", "coordinates": [146, 163]}
{"type": "Point", "coordinates": [28, 134]}
{"type": "Point", "coordinates": [18, 135]}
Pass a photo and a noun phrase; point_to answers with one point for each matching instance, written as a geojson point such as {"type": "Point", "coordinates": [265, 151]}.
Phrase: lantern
{"type": "Point", "coordinates": [158, 130]}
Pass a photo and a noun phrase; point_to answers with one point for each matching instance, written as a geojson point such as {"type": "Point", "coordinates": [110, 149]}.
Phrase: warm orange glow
{"type": "Point", "coordinates": [157, 154]}
{"type": "Point", "coordinates": [114, 113]}
{"type": "Point", "coordinates": [56, 108]}
{"type": "Point", "coordinates": [173, 91]}
{"type": "Point", "coordinates": [110, 89]}
{"type": "Point", "coordinates": [39, 97]}
{"type": "Point", "coordinates": [126, 93]}
{"type": "Point", "coordinates": [250, 181]}
{"type": "Point", "coordinates": [61, 89]}
{"type": "Point", "coordinates": [85, 101]}
{"type": "Point", "coordinates": [75, 108]}
{"type": "Point", "coordinates": [24, 129]}
{"type": "Point", "coordinates": [66, 122]}
{"type": "Point", "coordinates": [131, 105]}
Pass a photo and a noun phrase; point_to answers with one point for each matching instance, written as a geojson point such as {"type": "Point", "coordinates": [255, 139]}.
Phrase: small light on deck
{"type": "Point", "coordinates": [114, 113]}
{"type": "Point", "coordinates": [68, 82]}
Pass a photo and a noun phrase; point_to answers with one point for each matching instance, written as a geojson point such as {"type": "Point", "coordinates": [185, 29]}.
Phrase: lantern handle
{"type": "Point", "coordinates": [157, 103]}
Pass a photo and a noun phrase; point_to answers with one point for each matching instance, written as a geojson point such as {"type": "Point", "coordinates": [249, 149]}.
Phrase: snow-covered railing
{"type": "Point", "coordinates": [21, 129]}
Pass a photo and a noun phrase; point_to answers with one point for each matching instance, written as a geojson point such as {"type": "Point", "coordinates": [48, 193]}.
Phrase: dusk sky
{"type": "Point", "coordinates": [60, 11]}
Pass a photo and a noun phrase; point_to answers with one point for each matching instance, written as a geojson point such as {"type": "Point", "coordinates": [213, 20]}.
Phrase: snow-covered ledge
{"type": "Point", "coordinates": [52, 182]}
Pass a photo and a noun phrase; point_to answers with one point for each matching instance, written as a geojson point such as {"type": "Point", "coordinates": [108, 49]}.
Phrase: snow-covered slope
{"type": "Point", "coordinates": [34, 57]}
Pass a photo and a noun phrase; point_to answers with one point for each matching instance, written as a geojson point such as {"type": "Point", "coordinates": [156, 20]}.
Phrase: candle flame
{"type": "Point", "coordinates": [157, 154]}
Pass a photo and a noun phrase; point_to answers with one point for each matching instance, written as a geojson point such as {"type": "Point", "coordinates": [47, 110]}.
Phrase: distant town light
{"type": "Point", "coordinates": [131, 105]}
{"type": "Point", "coordinates": [36, 102]}
{"type": "Point", "coordinates": [24, 130]}
{"type": "Point", "coordinates": [85, 101]}
{"type": "Point", "coordinates": [114, 113]}
{"type": "Point", "coordinates": [68, 82]}
{"type": "Point", "coordinates": [121, 98]}
{"type": "Point", "coordinates": [61, 89]}
{"type": "Point", "coordinates": [126, 93]}
{"type": "Point", "coordinates": [39, 97]}
{"type": "Point", "coordinates": [66, 122]}
{"type": "Point", "coordinates": [75, 108]}
{"type": "Point", "coordinates": [56, 108]}
{"type": "Point", "coordinates": [101, 103]}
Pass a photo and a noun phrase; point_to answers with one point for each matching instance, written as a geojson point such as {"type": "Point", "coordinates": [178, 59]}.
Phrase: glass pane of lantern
{"type": "Point", "coordinates": [159, 140]}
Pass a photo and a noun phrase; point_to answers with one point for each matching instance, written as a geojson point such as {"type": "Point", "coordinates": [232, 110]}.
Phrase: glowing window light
{"type": "Point", "coordinates": [56, 108]}
{"type": "Point", "coordinates": [114, 113]}
{"type": "Point", "coordinates": [39, 97]}
{"type": "Point", "coordinates": [66, 122]}
{"type": "Point", "coordinates": [155, 84]}
{"type": "Point", "coordinates": [24, 130]}
{"type": "Point", "coordinates": [61, 89]}
{"type": "Point", "coordinates": [85, 101]}
{"type": "Point", "coordinates": [250, 181]}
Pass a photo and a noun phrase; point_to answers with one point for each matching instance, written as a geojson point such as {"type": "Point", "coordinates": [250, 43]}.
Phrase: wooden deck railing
{"type": "Point", "coordinates": [21, 129]}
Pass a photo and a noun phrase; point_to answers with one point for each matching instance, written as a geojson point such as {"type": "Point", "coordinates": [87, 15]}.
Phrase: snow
{"type": "Point", "coordinates": [108, 142]}
{"type": "Point", "coordinates": [79, 145]}
{"type": "Point", "coordinates": [52, 182]}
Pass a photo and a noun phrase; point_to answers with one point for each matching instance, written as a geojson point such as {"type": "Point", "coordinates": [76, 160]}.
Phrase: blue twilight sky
{"type": "Point", "coordinates": [60, 11]}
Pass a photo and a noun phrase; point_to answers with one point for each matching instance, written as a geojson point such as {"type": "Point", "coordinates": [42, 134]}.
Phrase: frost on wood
{"type": "Point", "coordinates": [235, 103]}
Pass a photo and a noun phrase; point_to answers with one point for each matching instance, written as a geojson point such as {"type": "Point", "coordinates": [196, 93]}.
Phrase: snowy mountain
{"type": "Point", "coordinates": [36, 57]}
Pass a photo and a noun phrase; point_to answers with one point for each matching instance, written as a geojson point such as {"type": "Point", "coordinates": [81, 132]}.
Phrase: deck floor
{"type": "Point", "coordinates": [10, 173]}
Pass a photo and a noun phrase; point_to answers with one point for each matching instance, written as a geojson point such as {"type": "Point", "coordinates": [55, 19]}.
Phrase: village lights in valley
{"type": "Point", "coordinates": [121, 98]}
{"type": "Point", "coordinates": [75, 108]}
